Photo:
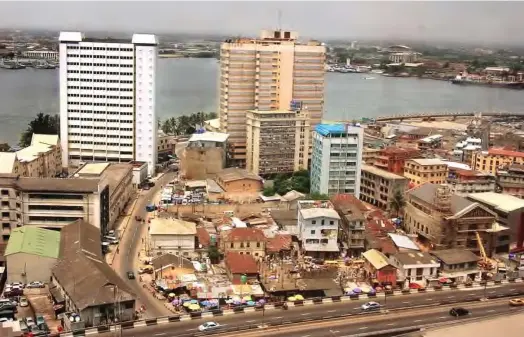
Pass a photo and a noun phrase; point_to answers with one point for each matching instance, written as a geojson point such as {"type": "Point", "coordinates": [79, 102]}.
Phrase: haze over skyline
{"type": "Point", "coordinates": [489, 22]}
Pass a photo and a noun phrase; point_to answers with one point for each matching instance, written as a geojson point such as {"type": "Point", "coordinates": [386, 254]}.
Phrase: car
{"type": "Point", "coordinates": [5, 319]}
{"type": "Point", "coordinates": [30, 322]}
{"type": "Point", "coordinates": [207, 326]}
{"type": "Point", "coordinates": [40, 320]}
{"type": "Point", "coordinates": [145, 270]}
{"type": "Point", "coordinates": [24, 302]}
{"type": "Point", "coordinates": [130, 275]}
{"type": "Point", "coordinates": [516, 302]}
{"type": "Point", "coordinates": [35, 284]}
{"type": "Point", "coordinates": [17, 284]}
{"type": "Point", "coordinates": [457, 312]}
{"type": "Point", "coordinates": [370, 306]}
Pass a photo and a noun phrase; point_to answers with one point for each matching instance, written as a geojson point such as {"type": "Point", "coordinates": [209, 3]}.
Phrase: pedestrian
{"type": "Point", "coordinates": [138, 254]}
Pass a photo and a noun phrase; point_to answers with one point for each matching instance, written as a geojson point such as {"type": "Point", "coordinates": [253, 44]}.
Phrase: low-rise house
{"type": "Point", "coordinates": [377, 231]}
{"type": "Point", "coordinates": [378, 187]}
{"type": "Point", "coordinates": [286, 220]}
{"type": "Point", "coordinates": [420, 171]}
{"type": "Point", "coordinates": [31, 253]}
{"type": "Point", "coordinates": [415, 267]}
{"type": "Point", "coordinates": [403, 243]}
{"type": "Point", "coordinates": [240, 267]}
{"type": "Point", "coordinates": [237, 180]}
{"type": "Point", "coordinates": [245, 241]}
{"type": "Point", "coordinates": [171, 235]}
{"type": "Point", "coordinates": [353, 218]}
{"type": "Point", "coordinates": [458, 264]}
{"type": "Point", "coordinates": [279, 245]}
{"type": "Point", "coordinates": [89, 286]}
{"type": "Point", "coordinates": [378, 269]}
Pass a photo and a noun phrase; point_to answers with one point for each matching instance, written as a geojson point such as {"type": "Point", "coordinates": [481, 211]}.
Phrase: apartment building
{"type": "Point", "coordinates": [318, 226]}
{"type": "Point", "coordinates": [489, 161]}
{"type": "Point", "coordinates": [268, 73]}
{"type": "Point", "coordinates": [42, 158]}
{"type": "Point", "coordinates": [352, 223]}
{"type": "Point", "coordinates": [249, 241]}
{"type": "Point", "coordinates": [107, 99]}
{"type": "Point", "coordinates": [204, 155]}
{"type": "Point", "coordinates": [420, 171]}
{"type": "Point", "coordinates": [277, 141]}
{"type": "Point", "coordinates": [443, 220]}
{"type": "Point", "coordinates": [336, 159]}
{"type": "Point", "coordinates": [378, 187]}
{"type": "Point", "coordinates": [463, 182]}
{"type": "Point", "coordinates": [165, 145]}
{"type": "Point", "coordinates": [510, 180]}
{"type": "Point", "coordinates": [369, 154]}
{"type": "Point", "coordinates": [393, 159]}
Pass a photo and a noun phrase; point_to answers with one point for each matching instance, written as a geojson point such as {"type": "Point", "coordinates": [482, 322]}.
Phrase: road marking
{"type": "Point", "coordinates": [418, 320]}
{"type": "Point", "coordinates": [429, 299]}
{"type": "Point", "coordinates": [306, 336]}
{"type": "Point", "coordinates": [491, 292]}
{"type": "Point", "coordinates": [334, 331]}
{"type": "Point", "coordinates": [442, 317]}
{"type": "Point", "coordinates": [191, 329]}
{"type": "Point", "coordinates": [512, 289]}
{"type": "Point", "coordinates": [335, 310]}
{"type": "Point", "coordinates": [392, 323]}
{"type": "Point", "coordinates": [307, 313]}
{"type": "Point", "coordinates": [364, 327]}
{"type": "Point", "coordinates": [406, 302]}
{"type": "Point", "coordinates": [451, 296]}
{"type": "Point", "coordinates": [490, 311]}
{"type": "Point", "coordinates": [279, 317]}
{"type": "Point", "coordinates": [250, 321]}
{"type": "Point", "coordinates": [160, 334]}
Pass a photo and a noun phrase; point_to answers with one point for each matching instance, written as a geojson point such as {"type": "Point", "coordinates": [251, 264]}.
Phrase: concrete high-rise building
{"type": "Point", "coordinates": [268, 73]}
{"type": "Point", "coordinates": [107, 99]}
{"type": "Point", "coordinates": [336, 159]}
{"type": "Point", "coordinates": [277, 141]}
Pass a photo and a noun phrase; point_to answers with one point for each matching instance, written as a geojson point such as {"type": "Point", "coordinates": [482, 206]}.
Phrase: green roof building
{"type": "Point", "coordinates": [31, 253]}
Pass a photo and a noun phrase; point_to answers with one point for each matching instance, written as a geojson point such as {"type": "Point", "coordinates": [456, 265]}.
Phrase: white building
{"type": "Point", "coordinates": [107, 99]}
{"type": "Point", "coordinates": [415, 267]}
{"type": "Point", "coordinates": [336, 159]}
{"type": "Point", "coordinates": [318, 225]}
{"type": "Point", "coordinates": [173, 236]}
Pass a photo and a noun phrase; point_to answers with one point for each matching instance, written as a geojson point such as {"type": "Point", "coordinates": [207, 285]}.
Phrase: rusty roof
{"type": "Point", "coordinates": [241, 263]}
{"type": "Point", "coordinates": [28, 184]}
{"type": "Point", "coordinates": [245, 234]}
{"type": "Point", "coordinates": [234, 173]}
{"type": "Point", "coordinates": [278, 243]}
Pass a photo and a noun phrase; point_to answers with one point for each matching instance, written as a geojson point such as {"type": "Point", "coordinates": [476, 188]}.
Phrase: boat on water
{"type": "Point", "coordinates": [377, 71]}
{"type": "Point", "coordinates": [369, 78]}
{"type": "Point", "coordinates": [44, 65]}
{"type": "Point", "coordinates": [460, 80]}
{"type": "Point", "coordinates": [12, 65]}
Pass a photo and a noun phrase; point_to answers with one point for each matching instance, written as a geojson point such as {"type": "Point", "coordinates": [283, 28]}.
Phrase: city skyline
{"type": "Point", "coordinates": [431, 21]}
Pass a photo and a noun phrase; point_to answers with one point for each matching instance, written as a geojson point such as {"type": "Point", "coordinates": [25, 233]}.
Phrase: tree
{"type": "Point", "coordinates": [269, 191]}
{"type": "Point", "coordinates": [318, 196]}
{"type": "Point", "coordinates": [213, 254]}
{"type": "Point", "coordinates": [397, 203]}
{"type": "Point", "coordinates": [41, 124]}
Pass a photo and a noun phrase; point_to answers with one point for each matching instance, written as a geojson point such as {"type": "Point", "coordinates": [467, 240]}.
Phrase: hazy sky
{"type": "Point", "coordinates": [455, 21]}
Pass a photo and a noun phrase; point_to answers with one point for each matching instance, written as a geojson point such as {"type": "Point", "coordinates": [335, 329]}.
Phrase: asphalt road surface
{"type": "Point", "coordinates": [325, 311]}
{"type": "Point", "coordinates": [129, 247]}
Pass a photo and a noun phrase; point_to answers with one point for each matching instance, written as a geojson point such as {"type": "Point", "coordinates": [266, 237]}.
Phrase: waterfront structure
{"type": "Point", "coordinates": [510, 180]}
{"type": "Point", "coordinates": [463, 182]}
{"type": "Point", "coordinates": [378, 187]}
{"type": "Point", "coordinates": [336, 159]}
{"type": "Point", "coordinates": [41, 54]}
{"type": "Point", "coordinates": [318, 227]}
{"type": "Point", "coordinates": [353, 218]}
{"type": "Point", "coordinates": [268, 73]}
{"type": "Point", "coordinates": [443, 220]}
{"type": "Point", "coordinates": [204, 155]}
{"type": "Point", "coordinates": [277, 141]}
{"type": "Point", "coordinates": [489, 161]}
{"type": "Point", "coordinates": [172, 236]}
{"type": "Point", "coordinates": [420, 171]}
{"type": "Point", "coordinates": [393, 159]}
{"type": "Point", "coordinates": [41, 159]}
{"type": "Point", "coordinates": [107, 99]}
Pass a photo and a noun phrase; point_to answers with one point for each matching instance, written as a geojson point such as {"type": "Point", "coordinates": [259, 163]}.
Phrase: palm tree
{"type": "Point", "coordinates": [397, 203]}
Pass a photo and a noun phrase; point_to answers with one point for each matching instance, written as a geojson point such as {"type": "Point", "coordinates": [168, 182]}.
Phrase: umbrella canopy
{"type": "Point", "coordinates": [172, 295]}
{"type": "Point", "coordinates": [247, 298]}
{"type": "Point", "coordinates": [194, 302]}
{"type": "Point", "coordinates": [292, 298]}
{"type": "Point", "coordinates": [299, 297]}
{"type": "Point", "coordinates": [250, 303]}
{"type": "Point", "coordinates": [357, 290]}
{"type": "Point", "coordinates": [193, 307]}
{"type": "Point", "coordinates": [187, 304]}
{"type": "Point", "coordinates": [261, 301]}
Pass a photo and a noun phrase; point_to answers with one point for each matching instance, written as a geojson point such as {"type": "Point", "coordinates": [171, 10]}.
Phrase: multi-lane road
{"type": "Point", "coordinates": [126, 259]}
{"type": "Point", "coordinates": [327, 311]}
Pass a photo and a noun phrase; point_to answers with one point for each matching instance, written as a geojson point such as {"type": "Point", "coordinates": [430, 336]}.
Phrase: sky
{"type": "Point", "coordinates": [419, 20]}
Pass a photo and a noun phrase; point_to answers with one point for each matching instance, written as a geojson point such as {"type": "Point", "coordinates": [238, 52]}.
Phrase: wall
{"type": "Point", "coordinates": [242, 247]}
{"type": "Point", "coordinates": [239, 209]}
{"type": "Point", "coordinates": [171, 244]}
{"type": "Point", "coordinates": [243, 185]}
{"type": "Point", "coordinates": [200, 163]}
{"type": "Point", "coordinates": [36, 268]}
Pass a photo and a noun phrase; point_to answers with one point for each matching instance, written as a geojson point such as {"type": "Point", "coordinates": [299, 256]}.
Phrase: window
{"type": "Point", "coordinates": [313, 231]}
{"type": "Point", "coordinates": [248, 244]}
{"type": "Point", "coordinates": [258, 244]}
{"type": "Point", "coordinates": [331, 222]}
{"type": "Point", "coordinates": [232, 245]}
{"type": "Point", "coordinates": [314, 222]}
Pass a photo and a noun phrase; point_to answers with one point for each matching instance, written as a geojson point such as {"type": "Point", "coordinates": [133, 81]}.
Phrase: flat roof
{"type": "Point", "coordinates": [381, 173]}
{"type": "Point", "coordinates": [7, 162]}
{"type": "Point", "coordinates": [501, 202]}
{"type": "Point", "coordinates": [311, 213]}
{"type": "Point", "coordinates": [209, 137]}
{"type": "Point", "coordinates": [432, 161]}
{"type": "Point", "coordinates": [35, 241]}
{"type": "Point", "coordinates": [403, 241]}
{"type": "Point", "coordinates": [331, 129]}
{"type": "Point", "coordinates": [171, 226]}
{"type": "Point", "coordinates": [92, 169]}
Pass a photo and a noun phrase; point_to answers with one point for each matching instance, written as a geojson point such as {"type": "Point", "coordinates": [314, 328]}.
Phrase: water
{"type": "Point", "coordinates": [189, 85]}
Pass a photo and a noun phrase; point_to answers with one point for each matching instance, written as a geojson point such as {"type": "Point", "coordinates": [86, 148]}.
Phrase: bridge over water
{"type": "Point", "coordinates": [446, 114]}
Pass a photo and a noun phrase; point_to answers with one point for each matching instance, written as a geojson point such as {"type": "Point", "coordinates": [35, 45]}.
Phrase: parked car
{"type": "Point", "coordinates": [23, 326]}
{"type": "Point", "coordinates": [40, 320]}
{"type": "Point", "coordinates": [145, 270]}
{"type": "Point", "coordinates": [23, 302]}
{"type": "Point", "coordinates": [35, 284]}
{"type": "Point", "coordinates": [457, 312]}
{"type": "Point", "coordinates": [4, 319]}
{"type": "Point", "coordinates": [130, 275]}
{"type": "Point", "coordinates": [30, 321]}
{"type": "Point", "coordinates": [370, 306]}
{"type": "Point", "coordinates": [516, 302]}
{"type": "Point", "coordinates": [209, 326]}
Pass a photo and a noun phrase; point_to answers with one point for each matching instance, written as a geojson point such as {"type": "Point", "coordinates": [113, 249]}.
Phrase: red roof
{"type": "Point", "coordinates": [344, 200]}
{"type": "Point", "coordinates": [246, 234]}
{"type": "Point", "coordinates": [203, 237]}
{"type": "Point", "coordinates": [378, 223]}
{"type": "Point", "coordinates": [503, 152]}
{"type": "Point", "coordinates": [241, 263]}
{"type": "Point", "coordinates": [278, 243]}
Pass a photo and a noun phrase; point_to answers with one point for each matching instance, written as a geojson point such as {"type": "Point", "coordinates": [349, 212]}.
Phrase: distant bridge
{"type": "Point", "coordinates": [422, 115]}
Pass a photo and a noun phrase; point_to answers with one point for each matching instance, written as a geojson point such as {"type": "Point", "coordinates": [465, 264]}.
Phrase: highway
{"type": "Point", "coordinates": [129, 247]}
{"type": "Point", "coordinates": [325, 311]}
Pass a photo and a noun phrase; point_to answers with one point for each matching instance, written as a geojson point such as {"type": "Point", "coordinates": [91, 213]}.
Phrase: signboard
{"type": "Point", "coordinates": [295, 105]}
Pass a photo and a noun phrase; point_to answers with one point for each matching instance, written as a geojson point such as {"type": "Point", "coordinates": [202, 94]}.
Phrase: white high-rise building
{"type": "Point", "coordinates": [336, 159]}
{"type": "Point", "coordinates": [107, 99]}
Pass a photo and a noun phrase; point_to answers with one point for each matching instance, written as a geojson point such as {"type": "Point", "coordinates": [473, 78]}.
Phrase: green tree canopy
{"type": "Point", "coordinates": [398, 202]}
{"type": "Point", "coordinates": [41, 124]}
{"type": "Point", "coordinates": [184, 125]}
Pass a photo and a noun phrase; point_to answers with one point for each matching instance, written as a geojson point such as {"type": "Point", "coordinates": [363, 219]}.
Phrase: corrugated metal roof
{"type": "Point", "coordinates": [376, 258]}
{"type": "Point", "coordinates": [403, 241]}
{"type": "Point", "coordinates": [34, 241]}
{"type": "Point", "coordinates": [330, 129]}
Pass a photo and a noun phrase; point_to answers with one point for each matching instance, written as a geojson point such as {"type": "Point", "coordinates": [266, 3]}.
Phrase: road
{"type": "Point", "coordinates": [129, 247]}
{"type": "Point", "coordinates": [323, 311]}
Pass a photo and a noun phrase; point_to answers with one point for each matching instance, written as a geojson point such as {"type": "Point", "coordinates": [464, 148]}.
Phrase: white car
{"type": "Point", "coordinates": [24, 302]}
{"type": "Point", "coordinates": [30, 321]}
{"type": "Point", "coordinates": [370, 306]}
{"type": "Point", "coordinates": [209, 326]}
{"type": "Point", "coordinates": [35, 284]}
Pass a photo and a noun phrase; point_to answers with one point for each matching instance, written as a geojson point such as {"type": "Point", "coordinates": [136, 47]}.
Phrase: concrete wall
{"type": "Point", "coordinates": [199, 163]}
{"type": "Point", "coordinates": [36, 268]}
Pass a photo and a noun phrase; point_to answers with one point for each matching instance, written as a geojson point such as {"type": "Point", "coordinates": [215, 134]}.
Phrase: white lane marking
{"type": "Point", "coordinates": [442, 317]}
{"type": "Point", "coordinates": [491, 292]}
{"type": "Point", "coordinates": [512, 289]}
{"type": "Point", "coordinates": [250, 321]}
{"type": "Point", "coordinates": [451, 296]}
{"type": "Point", "coordinates": [406, 302]}
{"type": "Point", "coordinates": [306, 336]}
{"type": "Point", "coordinates": [490, 311]}
{"type": "Point", "coordinates": [307, 313]}
{"type": "Point", "coordinates": [429, 299]}
{"type": "Point", "coordinates": [334, 310]}
{"type": "Point", "coordinates": [191, 329]}
{"type": "Point", "coordinates": [418, 320]}
{"type": "Point", "coordinates": [392, 323]}
{"type": "Point", "coordinates": [334, 331]}
{"type": "Point", "coordinates": [364, 327]}
{"type": "Point", "coordinates": [160, 334]}
{"type": "Point", "coordinates": [279, 317]}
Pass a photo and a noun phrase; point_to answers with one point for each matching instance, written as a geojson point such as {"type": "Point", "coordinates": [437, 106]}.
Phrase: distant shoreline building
{"type": "Point", "coordinates": [107, 99]}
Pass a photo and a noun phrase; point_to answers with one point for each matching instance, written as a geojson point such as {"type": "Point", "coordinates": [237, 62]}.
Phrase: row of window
{"type": "Point", "coordinates": [99, 72]}
{"type": "Point", "coordinates": [99, 96]}
{"type": "Point", "coordinates": [99, 64]}
{"type": "Point", "coordinates": [101, 104]}
{"type": "Point", "coordinates": [100, 120]}
{"type": "Point", "coordinates": [96, 112]}
{"type": "Point", "coordinates": [99, 135]}
{"type": "Point", "coordinates": [99, 88]}
{"type": "Point", "coordinates": [112, 57]}
{"type": "Point", "coordinates": [70, 47]}
{"type": "Point", "coordinates": [96, 158]}
{"type": "Point", "coordinates": [98, 80]}
{"type": "Point", "coordinates": [72, 126]}
{"type": "Point", "coordinates": [99, 143]}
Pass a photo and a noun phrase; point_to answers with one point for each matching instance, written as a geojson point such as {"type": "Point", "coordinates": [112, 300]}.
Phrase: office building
{"type": "Point", "coordinates": [277, 141]}
{"type": "Point", "coordinates": [495, 158]}
{"type": "Point", "coordinates": [336, 159]}
{"type": "Point", "coordinates": [107, 99]}
{"type": "Point", "coordinates": [463, 182]}
{"type": "Point", "coordinates": [378, 187]}
{"type": "Point", "coordinates": [420, 171]}
{"type": "Point", "coordinates": [268, 73]}
{"type": "Point", "coordinates": [392, 159]}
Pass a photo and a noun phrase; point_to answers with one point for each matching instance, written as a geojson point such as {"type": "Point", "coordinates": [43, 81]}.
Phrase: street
{"type": "Point", "coordinates": [324, 311]}
{"type": "Point", "coordinates": [127, 258]}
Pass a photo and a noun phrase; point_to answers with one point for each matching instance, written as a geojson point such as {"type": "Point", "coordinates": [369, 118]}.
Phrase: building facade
{"type": "Point", "coordinates": [277, 141]}
{"type": "Point", "coordinates": [204, 155]}
{"type": "Point", "coordinates": [510, 180]}
{"type": "Point", "coordinates": [464, 182]}
{"type": "Point", "coordinates": [352, 222]}
{"type": "Point", "coordinates": [415, 267]}
{"type": "Point", "coordinates": [393, 159]}
{"type": "Point", "coordinates": [268, 73]}
{"type": "Point", "coordinates": [41, 54]}
{"type": "Point", "coordinates": [336, 159]}
{"type": "Point", "coordinates": [237, 180]}
{"type": "Point", "coordinates": [489, 161]}
{"type": "Point", "coordinates": [172, 236]}
{"type": "Point", "coordinates": [107, 99]}
{"type": "Point", "coordinates": [378, 187]}
{"type": "Point", "coordinates": [420, 171]}
{"type": "Point", "coordinates": [245, 241]}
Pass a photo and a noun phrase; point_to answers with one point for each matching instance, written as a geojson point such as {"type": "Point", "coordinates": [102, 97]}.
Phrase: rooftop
{"type": "Point", "coordinates": [137, 164]}
{"type": "Point", "coordinates": [278, 243]}
{"type": "Point", "coordinates": [426, 162]}
{"type": "Point", "coordinates": [349, 206]}
{"type": "Point", "coordinates": [35, 241]}
{"type": "Point", "coordinates": [403, 241]}
{"type": "Point", "coordinates": [311, 213]}
{"type": "Point", "coordinates": [149, 39]}
{"type": "Point", "coordinates": [56, 185]}
{"type": "Point", "coordinates": [427, 193]}
{"type": "Point", "coordinates": [203, 237]}
{"type": "Point", "coordinates": [241, 263]}
{"type": "Point", "coordinates": [91, 169]}
{"type": "Point", "coordinates": [334, 129]}
{"type": "Point", "coordinates": [234, 173]}
{"type": "Point", "coordinates": [381, 173]}
{"type": "Point", "coordinates": [415, 258]}
{"type": "Point", "coordinates": [245, 234]}
{"type": "Point", "coordinates": [50, 140]}
{"type": "Point", "coordinates": [167, 260]}
{"type": "Point", "coordinates": [501, 202]}
{"type": "Point", "coordinates": [502, 152]}
{"type": "Point", "coordinates": [171, 226]}
{"type": "Point", "coordinates": [209, 137]}
{"type": "Point", "coordinates": [376, 258]}
{"type": "Point", "coordinates": [7, 162]}
{"type": "Point", "coordinates": [455, 256]}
